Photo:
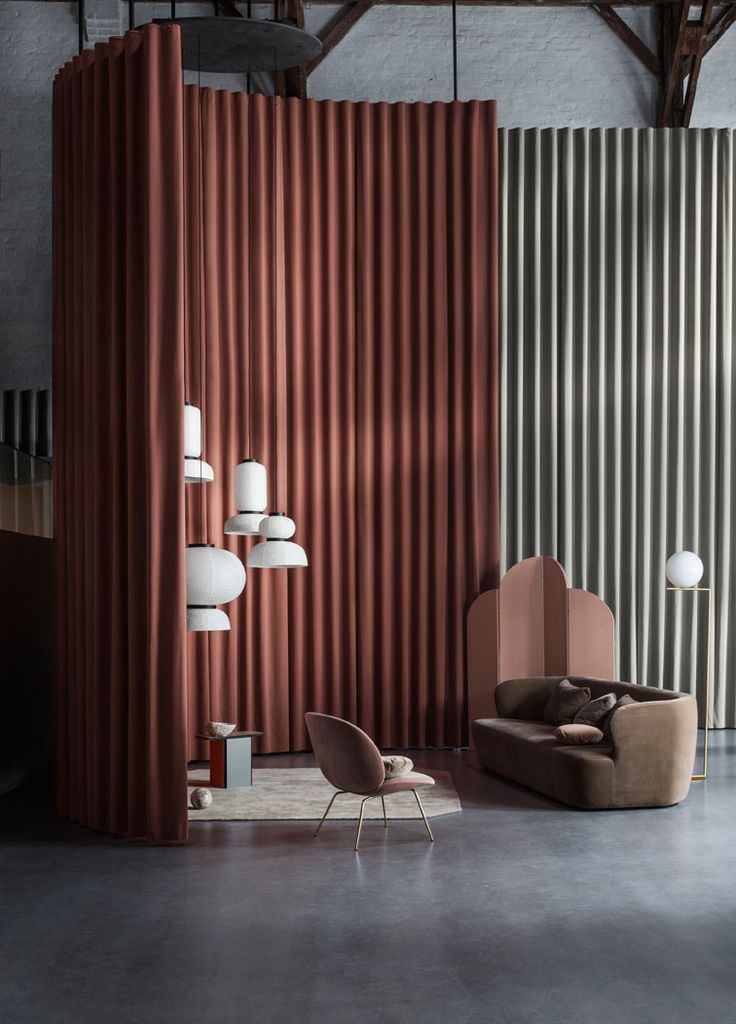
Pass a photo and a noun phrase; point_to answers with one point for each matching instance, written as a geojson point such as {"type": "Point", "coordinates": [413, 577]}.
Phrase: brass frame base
{"type": "Point", "coordinates": [363, 802]}
{"type": "Point", "coordinates": [701, 777]}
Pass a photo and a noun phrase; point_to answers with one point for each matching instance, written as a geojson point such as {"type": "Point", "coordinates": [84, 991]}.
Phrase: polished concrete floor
{"type": "Point", "coordinates": [522, 912]}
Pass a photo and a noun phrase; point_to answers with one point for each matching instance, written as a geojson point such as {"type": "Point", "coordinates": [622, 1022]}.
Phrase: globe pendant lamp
{"type": "Point", "coordinates": [277, 551]}
{"type": "Point", "coordinates": [196, 471]}
{"type": "Point", "coordinates": [214, 576]}
{"type": "Point", "coordinates": [251, 498]}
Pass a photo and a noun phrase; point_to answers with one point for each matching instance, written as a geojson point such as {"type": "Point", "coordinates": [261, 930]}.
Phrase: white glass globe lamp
{"type": "Point", "coordinates": [684, 569]}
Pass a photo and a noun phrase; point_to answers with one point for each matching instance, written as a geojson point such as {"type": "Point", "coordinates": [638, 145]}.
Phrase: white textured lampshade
{"type": "Point", "coordinates": [197, 471]}
{"type": "Point", "coordinates": [277, 526]}
{"type": "Point", "coordinates": [251, 489]}
{"type": "Point", "coordinates": [251, 498]}
{"type": "Point", "coordinates": [277, 554]}
{"type": "Point", "coordinates": [277, 551]}
{"type": "Point", "coordinates": [207, 620]}
{"type": "Point", "coordinates": [214, 576]}
{"type": "Point", "coordinates": [245, 524]}
{"type": "Point", "coordinates": [684, 569]}
{"type": "Point", "coordinates": [192, 431]}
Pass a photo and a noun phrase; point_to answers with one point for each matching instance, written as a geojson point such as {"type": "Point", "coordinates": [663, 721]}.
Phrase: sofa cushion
{"type": "Point", "coordinates": [578, 734]}
{"type": "Point", "coordinates": [620, 703]}
{"type": "Point", "coordinates": [595, 711]}
{"type": "Point", "coordinates": [564, 703]}
{"type": "Point", "coordinates": [527, 752]}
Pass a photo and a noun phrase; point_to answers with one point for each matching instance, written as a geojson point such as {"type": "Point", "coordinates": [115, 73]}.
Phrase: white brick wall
{"type": "Point", "coordinates": [549, 67]}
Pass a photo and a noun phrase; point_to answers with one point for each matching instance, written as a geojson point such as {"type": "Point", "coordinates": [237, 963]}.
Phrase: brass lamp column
{"type": "Point", "coordinates": [684, 571]}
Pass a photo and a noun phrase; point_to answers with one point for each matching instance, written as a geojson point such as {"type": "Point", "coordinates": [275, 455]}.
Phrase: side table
{"type": "Point", "coordinates": [230, 759]}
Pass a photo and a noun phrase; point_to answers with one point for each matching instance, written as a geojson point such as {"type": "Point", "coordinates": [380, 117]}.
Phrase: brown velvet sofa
{"type": "Point", "coordinates": [647, 763]}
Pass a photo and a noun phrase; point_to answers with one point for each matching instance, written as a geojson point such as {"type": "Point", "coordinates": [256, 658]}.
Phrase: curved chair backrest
{"type": "Point", "coordinates": [347, 757]}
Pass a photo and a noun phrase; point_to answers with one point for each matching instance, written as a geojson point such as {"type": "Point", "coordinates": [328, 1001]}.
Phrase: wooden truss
{"type": "Point", "coordinates": [683, 41]}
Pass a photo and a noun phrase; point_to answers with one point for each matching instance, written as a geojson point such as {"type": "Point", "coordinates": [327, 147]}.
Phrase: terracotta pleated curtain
{"type": "Point", "coordinates": [373, 294]}
{"type": "Point", "coordinates": [118, 447]}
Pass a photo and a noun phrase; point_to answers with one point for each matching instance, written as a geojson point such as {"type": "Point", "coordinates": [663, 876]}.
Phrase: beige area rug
{"type": "Point", "coordinates": [301, 794]}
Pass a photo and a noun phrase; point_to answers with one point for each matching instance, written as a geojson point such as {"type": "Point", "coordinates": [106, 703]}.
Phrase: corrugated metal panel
{"type": "Point", "coordinates": [617, 330]}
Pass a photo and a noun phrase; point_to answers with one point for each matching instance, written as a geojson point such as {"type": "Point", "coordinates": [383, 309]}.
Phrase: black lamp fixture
{"type": "Point", "coordinates": [242, 45]}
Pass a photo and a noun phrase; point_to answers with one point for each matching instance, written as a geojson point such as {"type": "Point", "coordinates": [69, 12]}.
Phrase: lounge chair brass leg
{"type": "Point", "coordinates": [385, 819]}
{"type": "Point", "coordinates": [424, 816]}
{"type": "Point", "coordinates": [360, 821]}
{"type": "Point", "coordinates": [322, 819]}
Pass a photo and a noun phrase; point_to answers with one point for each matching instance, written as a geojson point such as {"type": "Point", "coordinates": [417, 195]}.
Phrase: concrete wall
{"type": "Point", "coordinates": [550, 67]}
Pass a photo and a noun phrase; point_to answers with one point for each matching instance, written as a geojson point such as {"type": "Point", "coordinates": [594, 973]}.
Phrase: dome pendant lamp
{"type": "Point", "coordinates": [251, 498]}
{"type": "Point", "coordinates": [214, 576]}
{"type": "Point", "coordinates": [276, 550]}
{"type": "Point", "coordinates": [196, 470]}
{"type": "Point", "coordinates": [251, 490]}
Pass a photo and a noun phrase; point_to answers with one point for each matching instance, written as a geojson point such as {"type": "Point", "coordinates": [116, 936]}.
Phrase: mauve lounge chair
{"type": "Point", "coordinates": [351, 761]}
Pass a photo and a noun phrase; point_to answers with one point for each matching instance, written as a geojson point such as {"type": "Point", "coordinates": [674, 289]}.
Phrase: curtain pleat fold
{"type": "Point", "coordinates": [617, 335]}
{"type": "Point", "coordinates": [118, 444]}
{"type": "Point", "coordinates": [377, 292]}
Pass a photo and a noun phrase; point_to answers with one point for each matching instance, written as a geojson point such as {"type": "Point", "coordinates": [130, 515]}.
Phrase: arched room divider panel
{"type": "Point", "coordinates": [383, 261]}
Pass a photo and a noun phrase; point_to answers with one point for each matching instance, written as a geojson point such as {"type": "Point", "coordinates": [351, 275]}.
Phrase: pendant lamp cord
{"type": "Point", "coordinates": [202, 314]}
{"type": "Point", "coordinates": [249, 265]}
{"type": "Point", "coordinates": [274, 297]}
{"type": "Point", "coordinates": [249, 15]}
{"type": "Point", "coordinates": [202, 340]}
{"type": "Point", "coordinates": [454, 50]}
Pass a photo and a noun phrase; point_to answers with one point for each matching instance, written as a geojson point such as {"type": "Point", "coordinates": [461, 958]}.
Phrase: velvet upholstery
{"type": "Point", "coordinates": [578, 732]}
{"type": "Point", "coordinates": [648, 762]}
{"type": "Point", "coordinates": [565, 702]}
{"type": "Point", "coordinates": [596, 711]}
{"type": "Point", "coordinates": [349, 759]}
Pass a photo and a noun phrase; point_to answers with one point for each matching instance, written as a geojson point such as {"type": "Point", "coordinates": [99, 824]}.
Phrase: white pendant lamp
{"type": "Point", "coordinates": [251, 498]}
{"type": "Point", "coordinates": [277, 551]}
{"type": "Point", "coordinates": [214, 576]}
{"type": "Point", "coordinates": [196, 471]}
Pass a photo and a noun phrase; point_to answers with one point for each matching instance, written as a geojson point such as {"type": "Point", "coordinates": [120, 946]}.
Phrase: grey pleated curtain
{"type": "Point", "coordinates": [618, 428]}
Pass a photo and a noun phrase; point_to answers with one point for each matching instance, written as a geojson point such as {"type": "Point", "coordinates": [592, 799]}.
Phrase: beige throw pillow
{"type": "Point", "coordinates": [577, 734]}
{"type": "Point", "coordinates": [596, 711]}
{"type": "Point", "coordinates": [565, 702]}
{"type": "Point", "coordinates": [397, 765]}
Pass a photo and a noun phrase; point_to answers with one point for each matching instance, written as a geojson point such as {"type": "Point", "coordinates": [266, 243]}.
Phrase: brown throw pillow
{"type": "Point", "coordinates": [620, 703]}
{"type": "Point", "coordinates": [565, 702]}
{"type": "Point", "coordinates": [578, 734]}
{"type": "Point", "coordinates": [595, 712]}
{"type": "Point", "coordinates": [397, 765]}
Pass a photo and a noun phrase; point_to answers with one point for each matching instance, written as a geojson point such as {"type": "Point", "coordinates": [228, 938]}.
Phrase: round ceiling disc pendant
{"type": "Point", "coordinates": [240, 45]}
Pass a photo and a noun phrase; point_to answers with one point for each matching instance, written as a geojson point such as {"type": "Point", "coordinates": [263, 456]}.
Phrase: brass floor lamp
{"type": "Point", "coordinates": [672, 575]}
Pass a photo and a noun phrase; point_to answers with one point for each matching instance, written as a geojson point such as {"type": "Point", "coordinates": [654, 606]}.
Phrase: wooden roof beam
{"type": "Point", "coordinates": [697, 52]}
{"type": "Point", "coordinates": [629, 38]}
{"type": "Point", "coordinates": [674, 34]}
{"type": "Point", "coordinates": [346, 20]}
